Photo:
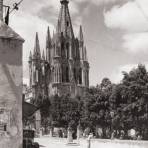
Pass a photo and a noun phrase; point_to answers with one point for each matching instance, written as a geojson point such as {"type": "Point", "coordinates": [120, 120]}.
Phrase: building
{"type": "Point", "coordinates": [63, 68]}
{"type": "Point", "coordinates": [11, 45]}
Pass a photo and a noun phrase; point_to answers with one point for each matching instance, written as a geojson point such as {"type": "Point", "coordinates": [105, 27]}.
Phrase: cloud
{"type": "Point", "coordinates": [132, 19]}
{"type": "Point", "coordinates": [35, 17]}
{"type": "Point", "coordinates": [27, 30]}
{"type": "Point", "coordinates": [27, 25]}
{"type": "Point", "coordinates": [136, 43]}
{"type": "Point", "coordinates": [117, 75]}
{"type": "Point", "coordinates": [128, 17]}
{"type": "Point", "coordinates": [100, 2]}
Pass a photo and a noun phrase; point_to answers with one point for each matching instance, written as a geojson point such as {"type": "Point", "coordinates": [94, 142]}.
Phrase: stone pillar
{"type": "Point", "coordinates": [10, 87]}
{"type": "Point", "coordinates": [1, 9]}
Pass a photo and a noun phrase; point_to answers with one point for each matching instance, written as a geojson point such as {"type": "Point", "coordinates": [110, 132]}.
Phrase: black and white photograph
{"type": "Point", "coordinates": [73, 73]}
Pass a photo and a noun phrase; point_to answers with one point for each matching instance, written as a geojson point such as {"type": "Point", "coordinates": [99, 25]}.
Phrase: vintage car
{"type": "Point", "coordinates": [28, 139]}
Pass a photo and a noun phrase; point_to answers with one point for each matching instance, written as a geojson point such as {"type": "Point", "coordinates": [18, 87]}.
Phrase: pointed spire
{"type": "Point", "coordinates": [80, 37]}
{"type": "Point", "coordinates": [64, 25]}
{"type": "Point", "coordinates": [48, 45]}
{"type": "Point", "coordinates": [1, 10]}
{"type": "Point", "coordinates": [37, 52]}
{"type": "Point", "coordinates": [85, 54]}
{"type": "Point", "coordinates": [43, 55]}
{"type": "Point", "coordinates": [30, 57]}
{"type": "Point", "coordinates": [53, 33]}
{"type": "Point", "coordinates": [48, 39]}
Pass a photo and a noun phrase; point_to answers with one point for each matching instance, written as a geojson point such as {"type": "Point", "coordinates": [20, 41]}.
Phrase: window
{"type": "Point", "coordinates": [62, 50]}
{"type": "Point", "coordinates": [67, 74]}
{"type": "Point", "coordinates": [63, 75]}
{"type": "Point", "coordinates": [80, 76]}
{"type": "Point", "coordinates": [67, 50]}
{"type": "Point", "coordinates": [67, 23]}
{"type": "Point", "coordinates": [75, 77]}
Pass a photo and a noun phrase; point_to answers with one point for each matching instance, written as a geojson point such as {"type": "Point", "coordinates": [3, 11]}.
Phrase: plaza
{"type": "Point", "coordinates": [48, 142]}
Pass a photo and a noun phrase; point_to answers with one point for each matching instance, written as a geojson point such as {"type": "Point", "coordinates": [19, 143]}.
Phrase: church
{"type": "Point", "coordinates": [63, 68]}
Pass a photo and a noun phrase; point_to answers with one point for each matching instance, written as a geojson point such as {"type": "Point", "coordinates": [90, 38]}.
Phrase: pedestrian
{"type": "Point", "coordinates": [89, 140]}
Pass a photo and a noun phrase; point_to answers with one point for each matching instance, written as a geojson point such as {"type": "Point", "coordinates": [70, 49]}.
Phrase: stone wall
{"type": "Point", "coordinates": [118, 144]}
{"type": "Point", "coordinates": [11, 92]}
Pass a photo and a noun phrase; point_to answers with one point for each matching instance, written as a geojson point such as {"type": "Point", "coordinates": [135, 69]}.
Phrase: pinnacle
{"type": "Point", "coordinates": [48, 38]}
{"type": "Point", "coordinates": [30, 56]}
{"type": "Point", "coordinates": [81, 34]}
{"type": "Point", "coordinates": [37, 46]}
{"type": "Point", "coordinates": [43, 55]}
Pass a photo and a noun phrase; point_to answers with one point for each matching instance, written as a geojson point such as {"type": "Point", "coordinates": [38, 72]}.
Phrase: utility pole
{"type": "Point", "coordinates": [1, 10]}
{"type": "Point", "coordinates": [8, 9]}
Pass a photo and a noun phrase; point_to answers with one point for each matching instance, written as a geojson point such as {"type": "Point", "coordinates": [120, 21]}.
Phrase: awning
{"type": "Point", "coordinates": [28, 109]}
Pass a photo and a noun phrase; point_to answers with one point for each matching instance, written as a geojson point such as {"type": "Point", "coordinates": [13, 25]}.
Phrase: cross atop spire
{"type": "Point", "coordinates": [64, 1]}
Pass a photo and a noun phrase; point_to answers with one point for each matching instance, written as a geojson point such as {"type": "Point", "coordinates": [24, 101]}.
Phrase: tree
{"type": "Point", "coordinates": [130, 100]}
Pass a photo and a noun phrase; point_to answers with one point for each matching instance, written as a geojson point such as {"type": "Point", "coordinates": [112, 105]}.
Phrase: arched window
{"type": "Point", "coordinates": [67, 74]}
{"type": "Point", "coordinates": [75, 76]}
{"type": "Point", "coordinates": [62, 50]}
{"type": "Point", "coordinates": [63, 74]}
{"type": "Point", "coordinates": [54, 50]}
{"type": "Point", "coordinates": [67, 23]}
{"type": "Point", "coordinates": [67, 50]}
{"type": "Point", "coordinates": [80, 76]}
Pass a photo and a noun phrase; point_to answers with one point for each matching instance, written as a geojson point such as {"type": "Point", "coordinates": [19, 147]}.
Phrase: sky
{"type": "Point", "coordinates": [115, 32]}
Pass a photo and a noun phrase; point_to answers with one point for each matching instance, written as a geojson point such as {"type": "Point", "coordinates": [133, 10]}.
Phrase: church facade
{"type": "Point", "coordinates": [63, 68]}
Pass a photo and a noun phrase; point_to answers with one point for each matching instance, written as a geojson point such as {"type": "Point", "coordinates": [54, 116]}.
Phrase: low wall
{"type": "Point", "coordinates": [100, 143]}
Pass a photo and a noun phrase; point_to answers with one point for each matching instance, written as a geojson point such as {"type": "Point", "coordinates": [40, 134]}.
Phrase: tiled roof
{"type": "Point", "coordinates": [7, 32]}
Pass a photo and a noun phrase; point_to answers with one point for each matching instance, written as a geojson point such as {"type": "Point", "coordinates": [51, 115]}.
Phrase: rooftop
{"type": "Point", "coordinates": [8, 32]}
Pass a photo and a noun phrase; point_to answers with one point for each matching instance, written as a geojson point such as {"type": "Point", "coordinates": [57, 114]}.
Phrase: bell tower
{"type": "Point", "coordinates": [66, 64]}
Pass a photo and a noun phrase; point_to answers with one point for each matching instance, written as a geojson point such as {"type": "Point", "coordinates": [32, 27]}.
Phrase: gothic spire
{"type": "Point", "coordinates": [37, 53]}
{"type": "Point", "coordinates": [85, 54]}
{"type": "Point", "coordinates": [30, 57]}
{"type": "Point", "coordinates": [64, 24]}
{"type": "Point", "coordinates": [48, 39]}
{"type": "Point", "coordinates": [48, 45]}
{"type": "Point", "coordinates": [43, 56]}
{"type": "Point", "coordinates": [80, 37]}
{"type": "Point", "coordinates": [1, 10]}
